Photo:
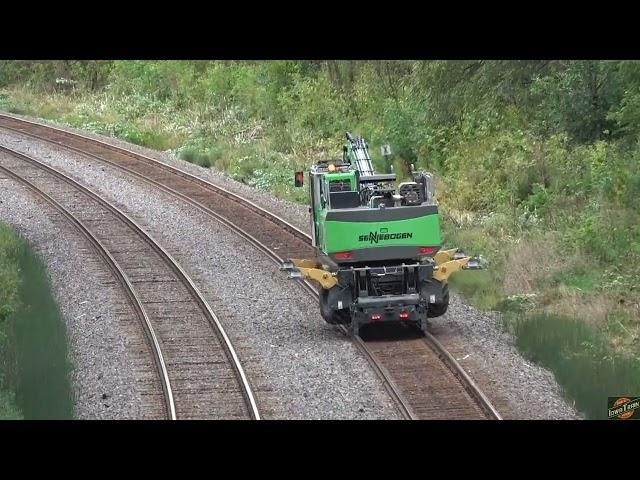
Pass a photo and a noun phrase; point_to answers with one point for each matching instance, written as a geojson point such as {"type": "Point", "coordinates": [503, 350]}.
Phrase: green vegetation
{"type": "Point", "coordinates": [8, 408]}
{"type": "Point", "coordinates": [9, 283]}
{"type": "Point", "coordinates": [583, 364]}
{"type": "Point", "coordinates": [537, 161]}
{"type": "Point", "coordinates": [34, 372]}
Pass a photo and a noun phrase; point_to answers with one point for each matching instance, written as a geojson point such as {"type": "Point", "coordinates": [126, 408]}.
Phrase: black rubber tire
{"type": "Point", "coordinates": [334, 317]}
{"type": "Point", "coordinates": [438, 309]}
{"type": "Point", "coordinates": [337, 317]}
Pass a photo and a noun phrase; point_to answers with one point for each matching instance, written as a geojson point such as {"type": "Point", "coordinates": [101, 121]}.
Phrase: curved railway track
{"type": "Point", "coordinates": [423, 378]}
{"type": "Point", "coordinates": [198, 374]}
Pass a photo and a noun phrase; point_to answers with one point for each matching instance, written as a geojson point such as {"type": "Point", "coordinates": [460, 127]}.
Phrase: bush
{"type": "Point", "coordinates": [8, 105]}
{"type": "Point", "coordinates": [203, 159]}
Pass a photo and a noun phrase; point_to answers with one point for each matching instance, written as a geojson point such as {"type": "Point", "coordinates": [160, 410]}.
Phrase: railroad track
{"type": "Point", "coordinates": [197, 372]}
{"type": "Point", "coordinates": [425, 381]}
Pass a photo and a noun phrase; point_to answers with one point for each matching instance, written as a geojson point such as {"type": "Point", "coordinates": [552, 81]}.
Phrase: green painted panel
{"type": "Point", "coordinates": [421, 231]}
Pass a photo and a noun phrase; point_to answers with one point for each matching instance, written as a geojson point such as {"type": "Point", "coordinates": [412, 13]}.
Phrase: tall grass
{"type": "Point", "coordinates": [9, 284]}
{"type": "Point", "coordinates": [34, 353]}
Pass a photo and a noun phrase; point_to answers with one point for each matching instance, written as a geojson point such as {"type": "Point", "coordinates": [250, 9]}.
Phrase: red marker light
{"type": "Point", "coordinates": [427, 250]}
{"type": "Point", "coordinates": [404, 315]}
{"type": "Point", "coordinates": [344, 256]}
{"type": "Point", "coordinates": [376, 316]}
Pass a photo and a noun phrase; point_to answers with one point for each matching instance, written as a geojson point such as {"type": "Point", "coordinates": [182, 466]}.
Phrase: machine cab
{"type": "Point", "coordinates": [332, 185]}
{"type": "Point", "coordinates": [347, 196]}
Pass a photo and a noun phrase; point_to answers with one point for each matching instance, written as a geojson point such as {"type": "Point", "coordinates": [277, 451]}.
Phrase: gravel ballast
{"type": "Point", "coordinates": [101, 381]}
{"type": "Point", "coordinates": [519, 388]}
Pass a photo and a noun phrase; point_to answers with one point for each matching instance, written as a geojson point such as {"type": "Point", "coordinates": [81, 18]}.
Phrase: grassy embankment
{"type": "Point", "coordinates": [34, 371]}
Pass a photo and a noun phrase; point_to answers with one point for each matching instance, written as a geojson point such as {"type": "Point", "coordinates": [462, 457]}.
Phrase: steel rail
{"type": "Point", "coordinates": [172, 263]}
